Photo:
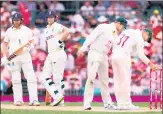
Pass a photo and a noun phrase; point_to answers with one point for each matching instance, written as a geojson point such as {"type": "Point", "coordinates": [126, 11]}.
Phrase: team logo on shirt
{"type": "Point", "coordinates": [113, 32]}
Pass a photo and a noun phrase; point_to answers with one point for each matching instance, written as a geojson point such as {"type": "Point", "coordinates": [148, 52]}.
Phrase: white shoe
{"type": "Point", "coordinates": [127, 107]}
{"type": "Point", "coordinates": [110, 107]}
{"type": "Point", "coordinates": [61, 103]}
{"type": "Point", "coordinates": [18, 103]}
{"type": "Point", "coordinates": [87, 107]}
{"type": "Point", "coordinates": [34, 103]}
{"type": "Point", "coordinates": [132, 107]}
{"type": "Point", "coordinates": [57, 102]}
{"type": "Point", "coordinates": [121, 107]}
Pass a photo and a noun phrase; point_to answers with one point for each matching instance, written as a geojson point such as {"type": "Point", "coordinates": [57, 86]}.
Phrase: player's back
{"type": "Point", "coordinates": [105, 37]}
{"type": "Point", "coordinates": [128, 40]}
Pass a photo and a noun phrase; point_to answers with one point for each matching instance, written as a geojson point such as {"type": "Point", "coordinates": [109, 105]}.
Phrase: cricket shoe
{"type": "Point", "coordinates": [121, 107]}
{"type": "Point", "coordinates": [18, 103]}
{"type": "Point", "coordinates": [87, 107]}
{"type": "Point", "coordinates": [34, 103]}
{"type": "Point", "coordinates": [127, 107]}
{"type": "Point", "coordinates": [110, 107]}
{"type": "Point", "coordinates": [57, 102]}
{"type": "Point", "coordinates": [61, 103]}
{"type": "Point", "coordinates": [132, 107]}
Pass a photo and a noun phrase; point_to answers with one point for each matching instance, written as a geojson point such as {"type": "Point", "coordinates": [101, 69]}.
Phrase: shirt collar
{"type": "Point", "coordinates": [49, 26]}
{"type": "Point", "coordinates": [16, 28]}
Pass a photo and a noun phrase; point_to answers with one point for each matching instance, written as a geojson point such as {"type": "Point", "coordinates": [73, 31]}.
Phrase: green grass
{"type": "Point", "coordinates": [16, 111]}
{"type": "Point", "coordinates": [142, 104]}
{"type": "Point", "coordinates": [6, 111]}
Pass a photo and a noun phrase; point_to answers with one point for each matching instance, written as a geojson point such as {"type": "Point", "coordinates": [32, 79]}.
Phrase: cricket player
{"type": "Point", "coordinates": [16, 36]}
{"type": "Point", "coordinates": [55, 35]}
{"type": "Point", "coordinates": [130, 42]}
{"type": "Point", "coordinates": [98, 44]}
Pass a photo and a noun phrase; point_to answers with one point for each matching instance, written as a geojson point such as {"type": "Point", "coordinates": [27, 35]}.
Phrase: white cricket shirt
{"type": "Point", "coordinates": [52, 34]}
{"type": "Point", "coordinates": [132, 42]}
{"type": "Point", "coordinates": [17, 37]}
{"type": "Point", "coordinates": [102, 38]}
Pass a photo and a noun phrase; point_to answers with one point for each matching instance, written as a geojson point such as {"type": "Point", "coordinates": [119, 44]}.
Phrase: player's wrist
{"type": "Point", "coordinates": [60, 41]}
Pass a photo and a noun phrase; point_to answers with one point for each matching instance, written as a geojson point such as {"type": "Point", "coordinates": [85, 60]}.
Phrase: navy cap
{"type": "Point", "coordinates": [51, 14]}
{"type": "Point", "coordinates": [122, 20]}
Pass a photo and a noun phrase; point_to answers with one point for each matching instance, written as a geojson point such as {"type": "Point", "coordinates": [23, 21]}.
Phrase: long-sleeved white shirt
{"type": "Point", "coordinates": [52, 34]}
{"type": "Point", "coordinates": [17, 37]}
{"type": "Point", "coordinates": [102, 38]}
{"type": "Point", "coordinates": [132, 42]}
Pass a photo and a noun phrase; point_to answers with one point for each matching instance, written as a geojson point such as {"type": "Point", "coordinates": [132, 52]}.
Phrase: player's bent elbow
{"type": "Point", "coordinates": [67, 32]}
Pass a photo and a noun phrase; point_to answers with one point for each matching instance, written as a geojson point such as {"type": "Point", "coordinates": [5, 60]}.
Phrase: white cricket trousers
{"type": "Point", "coordinates": [23, 61]}
{"type": "Point", "coordinates": [54, 65]}
{"type": "Point", "coordinates": [97, 63]}
{"type": "Point", "coordinates": [121, 64]}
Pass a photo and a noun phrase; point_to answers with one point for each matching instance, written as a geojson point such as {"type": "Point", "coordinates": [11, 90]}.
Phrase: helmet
{"type": "Point", "coordinates": [17, 16]}
{"type": "Point", "coordinates": [51, 14]}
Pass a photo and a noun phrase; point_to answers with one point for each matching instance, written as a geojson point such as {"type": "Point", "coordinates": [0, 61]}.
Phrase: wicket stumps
{"type": "Point", "coordinates": [157, 75]}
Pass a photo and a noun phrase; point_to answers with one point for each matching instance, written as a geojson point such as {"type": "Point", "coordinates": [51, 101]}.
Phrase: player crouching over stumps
{"type": "Point", "coordinates": [55, 34]}
{"type": "Point", "coordinates": [17, 36]}
{"type": "Point", "coordinates": [131, 42]}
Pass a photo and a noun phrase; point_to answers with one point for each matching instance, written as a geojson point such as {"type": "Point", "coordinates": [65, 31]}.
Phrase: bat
{"type": "Point", "coordinates": [47, 98]}
{"type": "Point", "coordinates": [18, 51]}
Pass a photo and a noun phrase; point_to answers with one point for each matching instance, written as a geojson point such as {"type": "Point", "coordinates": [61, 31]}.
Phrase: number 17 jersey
{"type": "Point", "coordinates": [130, 41]}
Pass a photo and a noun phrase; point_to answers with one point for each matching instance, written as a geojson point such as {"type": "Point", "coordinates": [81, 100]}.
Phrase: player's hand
{"type": "Point", "coordinates": [80, 53]}
{"type": "Point", "coordinates": [26, 49]}
{"type": "Point", "coordinates": [4, 60]}
{"type": "Point", "coordinates": [60, 44]}
{"type": "Point", "coordinates": [154, 66]}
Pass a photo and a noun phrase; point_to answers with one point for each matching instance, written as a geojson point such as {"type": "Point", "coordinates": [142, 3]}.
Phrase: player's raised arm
{"type": "Point", "coordinates": [91, 38]}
